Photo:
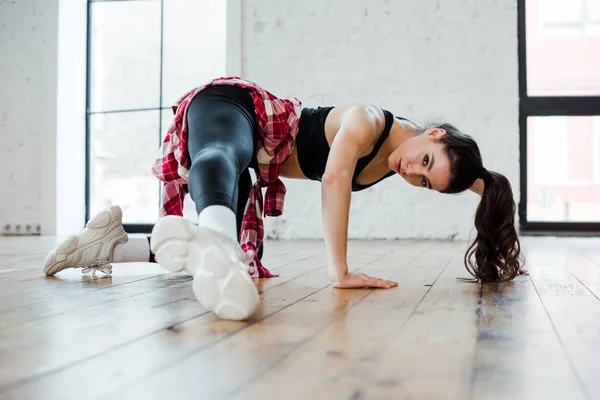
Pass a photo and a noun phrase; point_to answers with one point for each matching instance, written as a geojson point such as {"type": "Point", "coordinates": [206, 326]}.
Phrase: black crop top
{"type": "Point", "coordinates": [313, 149]}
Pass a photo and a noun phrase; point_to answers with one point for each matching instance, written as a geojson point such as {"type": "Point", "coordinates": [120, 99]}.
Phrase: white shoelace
{"type": "Point", "coordinates": [105, 269]}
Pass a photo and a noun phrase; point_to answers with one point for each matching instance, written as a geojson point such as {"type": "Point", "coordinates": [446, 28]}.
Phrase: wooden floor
{"type": "Point", "coordinates": [140, 334]}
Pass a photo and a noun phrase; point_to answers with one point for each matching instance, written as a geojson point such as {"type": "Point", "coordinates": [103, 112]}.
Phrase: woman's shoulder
{"type": "Point", "coordinates": [364, 120]}
{"type": "Point", "coordinates": [360, 111]}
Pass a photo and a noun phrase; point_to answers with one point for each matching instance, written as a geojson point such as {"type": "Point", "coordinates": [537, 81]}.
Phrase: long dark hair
{"type": "Point", "coordinates": [494, 255]}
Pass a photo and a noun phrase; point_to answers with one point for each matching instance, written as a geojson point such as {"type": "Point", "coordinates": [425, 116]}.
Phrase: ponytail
{"type": "Point", "coordinates": [494, 254]}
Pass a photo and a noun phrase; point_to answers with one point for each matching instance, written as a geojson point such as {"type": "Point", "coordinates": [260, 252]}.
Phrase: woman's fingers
{"type": "Point", "coordinates": [389, 284]}
{"type": "Point", "coordinates": [375, 282]}
{"type": "Point", "coordinates": [362, 280]}
{"type": "Point", "coordinates": [381, 283]}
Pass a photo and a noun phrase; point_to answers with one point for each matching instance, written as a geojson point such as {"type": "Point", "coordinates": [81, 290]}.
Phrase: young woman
{"type": "Point", "coordinates": [229, 125]}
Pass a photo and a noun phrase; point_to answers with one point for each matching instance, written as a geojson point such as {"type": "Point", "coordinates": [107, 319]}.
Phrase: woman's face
{"type": "Point", "coordinates": [421, 161]}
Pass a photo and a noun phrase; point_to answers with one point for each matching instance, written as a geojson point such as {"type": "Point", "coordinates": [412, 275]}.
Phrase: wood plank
{"type": "Point", "coordinates": [342, 360]}
{"type": "Point", "coordinates": [261, 345]}
{"type": "Point", "coordinates": [100, 312]}
{"type": "Point", "coordinates": [432, 356]}
{"type": "Point", "coordinates": [28, 264]}
{"type": "Point", "coordinates": [123, 366]}
{"type": "Point", "coordinates": [519, 355]}
{"type": "Point", "coordinates": [584, 265]}
{"type": "Point", "coordinates": [140, 278]}
{"type": "Point", "coordinates": [142, 334]}
{"type": "Point", "coordinates": [278, 254]}
{"type": "Point", "coordinates": [147, 330]}
{"type": "Point", "coordinates": [574, 311]}
{"type": "Point", "coordinates": [49, 295]}
{"type": "Point", "coordinates": [43, 290]}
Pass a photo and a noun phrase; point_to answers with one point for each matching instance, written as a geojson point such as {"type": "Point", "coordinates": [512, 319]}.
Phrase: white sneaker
{"type": "Point", "coordinates": [217, 263]}
{"type": "Point", "coordinates": [92, 249]}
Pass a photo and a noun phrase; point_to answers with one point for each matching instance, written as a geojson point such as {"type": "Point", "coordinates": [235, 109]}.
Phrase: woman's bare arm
{"type": "Point", "coordinates": [360, 126]}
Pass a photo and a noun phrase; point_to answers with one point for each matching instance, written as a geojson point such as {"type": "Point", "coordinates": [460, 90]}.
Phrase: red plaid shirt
{"type": "Point", "coordinates": [277, 120]}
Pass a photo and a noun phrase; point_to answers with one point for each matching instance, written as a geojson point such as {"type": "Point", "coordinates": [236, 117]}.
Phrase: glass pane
{"type": "Point", "coordinates": [593, 10]}
{"type": "Point", "coordinates": [195, 46]}
{"type": "Point", "coordinates": [563, 169]}
{"type": "Point", "coordinates": [593, 30]}
{"type": "Point", "coordinates": [125, 55]}
{"type": "Point", "coordinates": [560, 12]}
{"type": "Point", "coordinates": [562, 48]}
{"type": "Point", "coordinates": [123, 147]}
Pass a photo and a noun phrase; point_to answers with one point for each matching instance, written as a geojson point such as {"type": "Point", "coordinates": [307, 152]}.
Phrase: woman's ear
{"type": "Point", "coordinates": [436, 133]}
{"type": "Point", "coordinates": [477, 187]}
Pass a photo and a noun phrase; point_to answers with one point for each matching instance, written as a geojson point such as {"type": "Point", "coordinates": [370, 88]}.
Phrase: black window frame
{"type": "Point", "coordinates": [534, 106]}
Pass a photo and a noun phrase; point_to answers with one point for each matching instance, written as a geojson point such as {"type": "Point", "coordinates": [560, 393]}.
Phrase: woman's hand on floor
{"type": "Point", "coordinates": [361, 280]}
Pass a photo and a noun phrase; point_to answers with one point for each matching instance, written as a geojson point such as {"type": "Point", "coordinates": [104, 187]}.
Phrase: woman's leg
{"type": "Point", "coordinates": [137, 249]}
{"type": "Point", "coordinates": [221, 147]}
{"type": "Point", "coordinates": [221, 125]}
{"type": "Point", "coordinates": [244, 188]}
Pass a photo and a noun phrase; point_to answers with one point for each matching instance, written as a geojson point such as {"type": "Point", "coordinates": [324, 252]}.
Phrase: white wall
{"type": "Point", "coordinates": [28, 51]}
{"type": "Point", "coordinates": [426, 60]}
{"type": "Point", "coordinates": [42, 116]}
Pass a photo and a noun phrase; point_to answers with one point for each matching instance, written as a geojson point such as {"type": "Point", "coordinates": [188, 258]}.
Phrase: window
{"type": "Point", "coordinates": [572, 18]}
{"type": "Point", "coordinates": [559, 86]}
{"type": "Point", "coordinates": [596, 149]}
{"type": "Point", "coordinates": [563, 169]}
{"type": "Point", "coordinates": [562, 47]}
{"type": "Point", "coordinates": [549, 148]}
{"type": "Point", "coordinates": [142, 56]}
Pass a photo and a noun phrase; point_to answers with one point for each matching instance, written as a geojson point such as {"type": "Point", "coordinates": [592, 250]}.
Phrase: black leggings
{"type": "Point", "coordinates": [221, 133]}
{"type": "Point", "coordinates": [221, 128]}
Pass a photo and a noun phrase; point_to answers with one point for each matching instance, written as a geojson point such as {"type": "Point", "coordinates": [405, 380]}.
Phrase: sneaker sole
{"type": "Point", "coordinates": [169, 242]}
{"type": "Point", "coordinates": [221, 285]}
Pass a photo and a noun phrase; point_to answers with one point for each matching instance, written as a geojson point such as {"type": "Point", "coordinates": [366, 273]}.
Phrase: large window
{"type": "Point", "coordinates": [559, 63]}
{"type": "Point", "coordinates": [142, 56]}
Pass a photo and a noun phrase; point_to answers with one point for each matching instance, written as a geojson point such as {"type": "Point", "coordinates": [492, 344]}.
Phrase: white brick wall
{"type": "Point", "coordinates": [453, 60]}
{"type": "Point", "coordinates": [426, 60]}
{"type": "Point", "coordinates": [27, 104]}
